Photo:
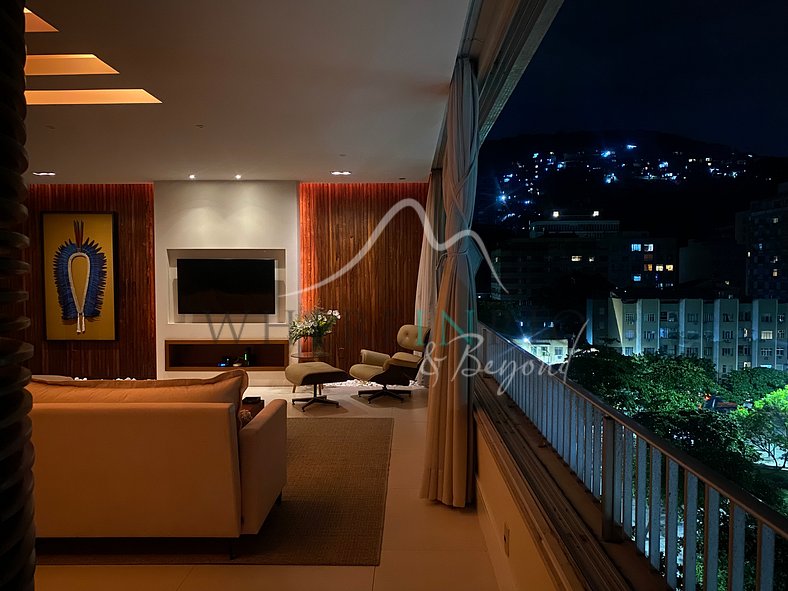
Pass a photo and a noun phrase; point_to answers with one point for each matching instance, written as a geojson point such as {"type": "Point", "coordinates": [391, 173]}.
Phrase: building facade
{"type": "Point", "coordinates": [734, 334]}
{"type": "Point", "coordinates": [764, 232]}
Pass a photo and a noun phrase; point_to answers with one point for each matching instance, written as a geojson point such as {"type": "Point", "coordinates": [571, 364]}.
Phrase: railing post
{"type": "Point", "coordinates": [611, 530]}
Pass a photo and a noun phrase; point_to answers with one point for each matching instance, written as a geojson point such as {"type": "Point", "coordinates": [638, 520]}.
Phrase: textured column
{"type": "Point", "coordinates": [17, 536]}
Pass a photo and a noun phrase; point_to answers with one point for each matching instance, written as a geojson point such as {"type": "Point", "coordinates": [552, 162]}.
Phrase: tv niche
{"type": "Point", "coordinates": [226, 286]}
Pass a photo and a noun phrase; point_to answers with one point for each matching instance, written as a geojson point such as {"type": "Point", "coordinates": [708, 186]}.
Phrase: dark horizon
{"type": "Point", "coordinates": [710, 72]}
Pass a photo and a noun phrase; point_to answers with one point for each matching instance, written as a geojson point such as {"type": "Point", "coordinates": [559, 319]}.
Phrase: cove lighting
{"type": "Point", "coordinates": [98, 96]}
{"type": "Point", "coordinates": [340, 172]}
{"type": "Point", "coordinates": [35, 24]}
{"type": "Point", "coordinates": [43, 173]}
{"type": "Point", "coordinates": [66, 65]}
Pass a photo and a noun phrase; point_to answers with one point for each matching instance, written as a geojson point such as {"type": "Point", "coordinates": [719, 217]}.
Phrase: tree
{"type": "Point", "coordinates": [714, 438]}
{"type": "Point", "coordinates": [766, 426]}
{"type": "Point", "coordinates": [753, 383]}
{"type": "Point", "coordinates": [644, 382]}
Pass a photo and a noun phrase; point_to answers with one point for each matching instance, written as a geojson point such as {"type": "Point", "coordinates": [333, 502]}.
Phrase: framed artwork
{"type": "Point", "coordinates": [79, 276]}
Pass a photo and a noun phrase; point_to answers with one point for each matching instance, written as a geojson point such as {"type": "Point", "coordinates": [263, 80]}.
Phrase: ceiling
{"type": "Point", "coordinates": [267, 89]}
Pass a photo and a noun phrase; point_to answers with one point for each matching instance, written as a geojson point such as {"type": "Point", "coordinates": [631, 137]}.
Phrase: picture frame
{"type": "Point", "coordinates": [79, 267]}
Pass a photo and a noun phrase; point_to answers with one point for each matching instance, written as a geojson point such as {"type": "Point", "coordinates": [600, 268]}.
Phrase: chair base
{"type": "Point", "coordinates": [373, 394]}
{"type": "Point", "coordinates": [314, 399]}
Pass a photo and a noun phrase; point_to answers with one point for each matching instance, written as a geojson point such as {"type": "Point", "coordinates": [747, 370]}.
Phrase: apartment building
{"type": "Point", "coordinates": [733, 333]}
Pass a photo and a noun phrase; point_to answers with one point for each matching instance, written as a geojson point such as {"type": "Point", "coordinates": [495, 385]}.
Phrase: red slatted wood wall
{"type": "Point", "coordinates": [377, 296]}
{"type": "Point", "coordinates": [133, 354]}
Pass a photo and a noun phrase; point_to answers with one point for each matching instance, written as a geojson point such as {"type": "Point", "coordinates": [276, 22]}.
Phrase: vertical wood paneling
{"type": "Point", "coordinates": [133, 354]}
{"type": "Point", "coordinates": [377, 296]}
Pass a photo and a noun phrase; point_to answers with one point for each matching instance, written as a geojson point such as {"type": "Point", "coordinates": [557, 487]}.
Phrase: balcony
{"type": "Point", "coordinates": [627, 506]}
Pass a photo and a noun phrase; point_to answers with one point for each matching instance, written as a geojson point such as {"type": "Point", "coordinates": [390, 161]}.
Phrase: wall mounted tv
{"type": "Point", "coordinates": [226, 286]}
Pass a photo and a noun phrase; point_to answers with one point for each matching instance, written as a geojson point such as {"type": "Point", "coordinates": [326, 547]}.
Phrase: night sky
{"type": "Point", "coordinates": [715, 71]}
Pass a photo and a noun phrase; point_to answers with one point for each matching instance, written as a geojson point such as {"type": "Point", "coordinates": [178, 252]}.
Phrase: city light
{"type": "Point", "coordinates": [595, 214]}
{"type": "Point", "coordinates": [556, 214]}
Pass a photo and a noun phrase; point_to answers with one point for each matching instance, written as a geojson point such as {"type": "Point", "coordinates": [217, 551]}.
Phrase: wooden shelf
{"type": "Point", "coordinates": [194, 355]}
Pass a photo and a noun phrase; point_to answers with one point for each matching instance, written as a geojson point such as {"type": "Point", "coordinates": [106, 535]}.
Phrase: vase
{"type": "Point", "coordinates": [317, 345]}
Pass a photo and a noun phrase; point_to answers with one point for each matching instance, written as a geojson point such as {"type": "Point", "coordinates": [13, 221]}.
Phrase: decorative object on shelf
{"type": "Point", "coordinates": [314, 325]}
{"type": "Point", "coordinates": [79, 286]}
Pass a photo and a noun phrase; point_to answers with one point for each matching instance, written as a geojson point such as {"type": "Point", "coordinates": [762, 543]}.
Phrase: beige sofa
{"type": "Point", "coordinates": [154, 458]}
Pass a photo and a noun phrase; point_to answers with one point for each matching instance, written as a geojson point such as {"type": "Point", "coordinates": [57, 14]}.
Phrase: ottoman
{"type": "Point", "coordinates": [314, 373]}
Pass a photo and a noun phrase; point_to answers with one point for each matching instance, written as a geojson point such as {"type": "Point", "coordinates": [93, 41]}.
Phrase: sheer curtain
{"type": "Point", "coordinates": [448, 473]}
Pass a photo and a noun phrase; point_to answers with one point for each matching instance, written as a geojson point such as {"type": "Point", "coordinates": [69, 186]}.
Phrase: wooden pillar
{"type": "Point", "coordinates": [17, 535]}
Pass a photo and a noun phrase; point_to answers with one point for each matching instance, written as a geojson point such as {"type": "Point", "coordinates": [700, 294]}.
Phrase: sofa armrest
{"type": "Point", "coordinates": [374, 358]}
{"type": "Point", "coordinates": [263, 455]}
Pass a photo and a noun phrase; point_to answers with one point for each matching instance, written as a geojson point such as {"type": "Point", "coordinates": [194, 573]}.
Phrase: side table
{"type": "Point", "coordinates": [253, 407]}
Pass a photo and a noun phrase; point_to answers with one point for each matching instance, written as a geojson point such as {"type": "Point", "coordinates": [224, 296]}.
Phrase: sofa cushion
{"type": "Point", "coordinates": [228, 387]}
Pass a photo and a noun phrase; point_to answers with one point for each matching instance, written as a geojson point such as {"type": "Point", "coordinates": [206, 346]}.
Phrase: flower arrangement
{"type": "Point", "coordinates": [316, 323]}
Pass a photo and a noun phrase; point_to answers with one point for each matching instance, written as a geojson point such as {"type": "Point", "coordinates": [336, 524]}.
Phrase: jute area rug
{"type": "Point", "coordinates": [331, 513]}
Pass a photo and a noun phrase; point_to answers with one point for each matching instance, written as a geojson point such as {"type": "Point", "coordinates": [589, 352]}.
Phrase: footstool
{"type": "Point", "coordinates": [314, 373]}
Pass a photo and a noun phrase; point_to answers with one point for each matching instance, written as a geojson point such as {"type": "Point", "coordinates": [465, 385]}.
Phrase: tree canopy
{"type": "Point", "coordinates": [753, 383]}
{"type": "Point", "coordinates": [642, 383]}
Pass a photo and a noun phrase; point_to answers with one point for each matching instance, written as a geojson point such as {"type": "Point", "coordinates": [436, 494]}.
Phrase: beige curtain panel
{"type": "Point", "coordinates": [427, 283]}
{"type": "Point", "coordinates": [448, 473]}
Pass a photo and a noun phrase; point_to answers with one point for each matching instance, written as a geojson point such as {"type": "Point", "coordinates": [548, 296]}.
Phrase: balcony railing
{"type": "Point", "coordinates": [637, 477]}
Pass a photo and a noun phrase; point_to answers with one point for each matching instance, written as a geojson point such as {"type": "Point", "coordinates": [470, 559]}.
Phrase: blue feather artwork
{"type": "Point", "coordinates": [75, 303]}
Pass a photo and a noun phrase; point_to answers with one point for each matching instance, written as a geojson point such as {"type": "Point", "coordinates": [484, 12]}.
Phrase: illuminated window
{"type": "Point", "coordinates": [767, 334]}
{"type": "Point", "coordinates": [660, 267]}
{"type": "Point", "coordinates": [636, 278]}
{"type": "Point", "coordinates": [775, 273]}
{"type": "Point", "coordinates": [668, 267]}
{"type": "Point", "coordinates": [591, 259]}
{"type": "Point", "coordinates": [636, 248]}
{"type": "Point", "coordinates": [648, 267]}
{"type": "Point", "coordinates": [576, 258]}
{"type": "Point", "coordinates": [775, 220]}
{"type": "Point", "coordinates": [648, 247]}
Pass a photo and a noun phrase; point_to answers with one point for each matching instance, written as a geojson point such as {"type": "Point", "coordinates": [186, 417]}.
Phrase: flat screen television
{"type": "Point", "coordinates": [226, 286]}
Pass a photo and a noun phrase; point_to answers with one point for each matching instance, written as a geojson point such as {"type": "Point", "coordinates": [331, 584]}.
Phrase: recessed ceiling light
{"type": "Point", "coordinates": [237, 177]}
{"type": "Point", "coordinates": [340, 172]}
{"type": "Point", "coordinates": [44, 173]}
{"type": "Point", "coordinates": [192, 177]}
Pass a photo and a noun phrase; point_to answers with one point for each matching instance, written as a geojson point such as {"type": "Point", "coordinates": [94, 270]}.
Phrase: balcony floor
{"type": "Point", "coordinates": [426, 546]}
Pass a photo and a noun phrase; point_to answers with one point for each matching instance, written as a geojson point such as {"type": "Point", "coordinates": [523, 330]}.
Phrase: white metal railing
{"type": "Point", "coordinates": [637, 477]}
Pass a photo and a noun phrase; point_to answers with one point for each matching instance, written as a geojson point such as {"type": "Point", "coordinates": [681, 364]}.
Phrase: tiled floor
{"type": "Point", "coordinates": [425, 546]}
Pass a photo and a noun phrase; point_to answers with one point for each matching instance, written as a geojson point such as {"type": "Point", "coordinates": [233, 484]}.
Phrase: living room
{"type": "Point", "coordinates": [256, 115]}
